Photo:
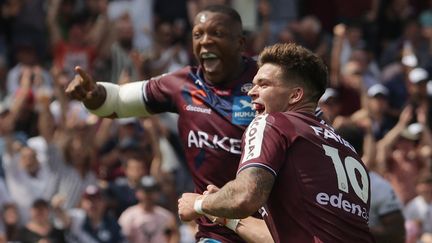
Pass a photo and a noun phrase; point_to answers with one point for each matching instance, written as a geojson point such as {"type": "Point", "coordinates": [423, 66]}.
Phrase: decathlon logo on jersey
{"type": "Point", "coordinates": [254, 138]}
{"type": "Point", "coordinates": [242, 112]}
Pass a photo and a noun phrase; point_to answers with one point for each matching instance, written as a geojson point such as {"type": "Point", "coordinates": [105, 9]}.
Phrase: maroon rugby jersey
{"type": "Point", "coordinates": [321, 191]}
{"type": "Point", "coordinates": [211, 123]}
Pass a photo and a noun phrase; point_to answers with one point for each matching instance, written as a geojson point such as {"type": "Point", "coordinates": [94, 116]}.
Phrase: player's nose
{"type": "Point", "coordinates": [253, 91]}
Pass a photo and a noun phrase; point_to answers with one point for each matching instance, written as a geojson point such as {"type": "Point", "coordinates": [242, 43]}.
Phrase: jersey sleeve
{"type": "Point", "coordinates": [263, 146]}
{"type": "Point", "coordinates": [163, 93]}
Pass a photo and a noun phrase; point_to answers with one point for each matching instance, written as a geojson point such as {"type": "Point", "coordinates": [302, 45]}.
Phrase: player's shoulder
{"type": "Point", "coordinates": [290, 119]}
{"type": "Point", "coordinates": [180, 74]}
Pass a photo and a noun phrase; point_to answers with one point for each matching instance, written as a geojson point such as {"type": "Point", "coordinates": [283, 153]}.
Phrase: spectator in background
{"type": "Point", "coordinates": [281, 13]}
{"type": "Point", "coordinates": [28, 23]}
{"type": "Point", "coordinates": [11, 218]}
{"type": "Point", "coordinates": [91, 222]}
{"type": "Point", "coordinates": [122, 51]}
{"type": "Point", "coordinates": [142, 16]}
{"type": "Point", "coordinates": [309, 33]}
{"type": "Point", "coordinates": [147, 222]}
{"type": "Point", "coordinates": [67, 149]}
{"type": "Point", "coordinates": [23, 112]}
{"type": "Point", "coordinates": [411, 38]}
{"type": "Point", "coordinates": [2, 233]}
{"type": "Point", "coordinates": [28, 178]}
{"type": "Point", "coordinates": [368, 66]}
{"type": "Point", "coordinates": [346, 38]}
{"type": "Point", "coordinates": [82, 42]}
{"type": "Point", "coordinates": [177, 14]}
{"type": "Point", "coordinates": [3, 73]}
{"type": "Point", "coordinates": [418, 95]}
{"type": "Point", "coordinates": [4, 199]}
{"type": "Point", "coordinates": [166, 55]}
{"type": "Point", "coordinates": [398, 80]}
{"type": "Point", "coordinates": [27, 61]}
{"type": "Point", "coordinates": [410, 89]}
{"type": "Point", "coordinates": [40, 228]}
{"type": "Point", "coordinates": [375, 111]}
{"type": "Point", "coordinates": [399, 156]}
{"type": "Point", "coordinates": [418, 211]}
{"type": "Point", "coordinates": [122, 190]}
{"type": "Point", "coordinates": [391, 18]}
{"type": "Point", "coordinates": [350, 88]}
{"type": "Point", "coordinates": [113, 146]}
{"type": "Point", "coordinates": [330, 105]}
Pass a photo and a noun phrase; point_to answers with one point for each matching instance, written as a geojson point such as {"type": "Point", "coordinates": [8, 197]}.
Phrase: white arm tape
{"type": "Point", "coordinates": [126, 100]}
{"type": "Point", "coordinates": [198, 205]}
{"type": "Point", "coordinates": [232, 224]}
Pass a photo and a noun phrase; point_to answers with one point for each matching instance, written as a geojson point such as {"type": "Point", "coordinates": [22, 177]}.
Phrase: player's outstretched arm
{"type": "Point", "coordinates": [107, 99]}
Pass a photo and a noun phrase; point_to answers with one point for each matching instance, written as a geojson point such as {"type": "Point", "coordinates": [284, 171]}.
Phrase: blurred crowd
{"type": "Point", "coordinates": [68, 176]}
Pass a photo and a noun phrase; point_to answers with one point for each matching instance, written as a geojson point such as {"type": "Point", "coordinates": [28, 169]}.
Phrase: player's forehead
{"type": "Point", "coordinates": [214, 18]}
{"type": "Point", "coordinates": [268, 71]}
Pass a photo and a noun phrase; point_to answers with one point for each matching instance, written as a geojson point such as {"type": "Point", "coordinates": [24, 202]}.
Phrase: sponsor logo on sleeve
{"type": "Point", "coordinates": [254, 138]}
{"type": "Point", "coordinates": [242, 113]}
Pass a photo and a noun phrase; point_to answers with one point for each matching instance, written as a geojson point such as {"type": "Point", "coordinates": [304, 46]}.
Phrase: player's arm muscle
{"type": "Point", "coordinates": [241, 197]}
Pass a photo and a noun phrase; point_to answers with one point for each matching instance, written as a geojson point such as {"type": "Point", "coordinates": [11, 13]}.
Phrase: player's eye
{"type": "Point", "coordinates": [196, 34]}
{"type": "Point", "coordinates": [218, 33]}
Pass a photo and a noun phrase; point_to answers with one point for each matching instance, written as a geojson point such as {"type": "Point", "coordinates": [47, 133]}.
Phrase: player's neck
{"type": "Point", "coordinates": [303, 107]}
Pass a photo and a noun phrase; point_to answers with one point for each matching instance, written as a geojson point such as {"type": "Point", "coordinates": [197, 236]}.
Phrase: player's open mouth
{"type": "Point", "coordinates": [259, 108]}
{"type": "Point", "coordinates": [210, 61]}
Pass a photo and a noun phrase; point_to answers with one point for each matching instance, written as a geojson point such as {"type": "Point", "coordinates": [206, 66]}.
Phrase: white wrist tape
{"type": "Point", "coordinates": [126, 100]}
{"type": "Point", "coordinates": [198, 205]}
{"type": "Point", "coordinates": [232, 224]}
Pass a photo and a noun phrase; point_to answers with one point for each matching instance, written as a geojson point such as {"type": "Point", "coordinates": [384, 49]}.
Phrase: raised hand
{"type": "Point", "coordinates": [85, 89]}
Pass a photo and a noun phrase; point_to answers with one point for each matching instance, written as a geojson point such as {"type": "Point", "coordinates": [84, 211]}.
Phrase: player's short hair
{"type": "Point", "coordinates": [223, 9]}
{"type": "Point", "coordinates": [299, 65]}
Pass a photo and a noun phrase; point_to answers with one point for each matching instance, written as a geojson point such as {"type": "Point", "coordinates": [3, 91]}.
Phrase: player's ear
{"type": "Point", "coordinates": [296, 95]}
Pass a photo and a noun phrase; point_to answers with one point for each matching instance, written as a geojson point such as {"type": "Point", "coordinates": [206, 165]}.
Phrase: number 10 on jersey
{"type": "Point", "coordinates": [348, 167]}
